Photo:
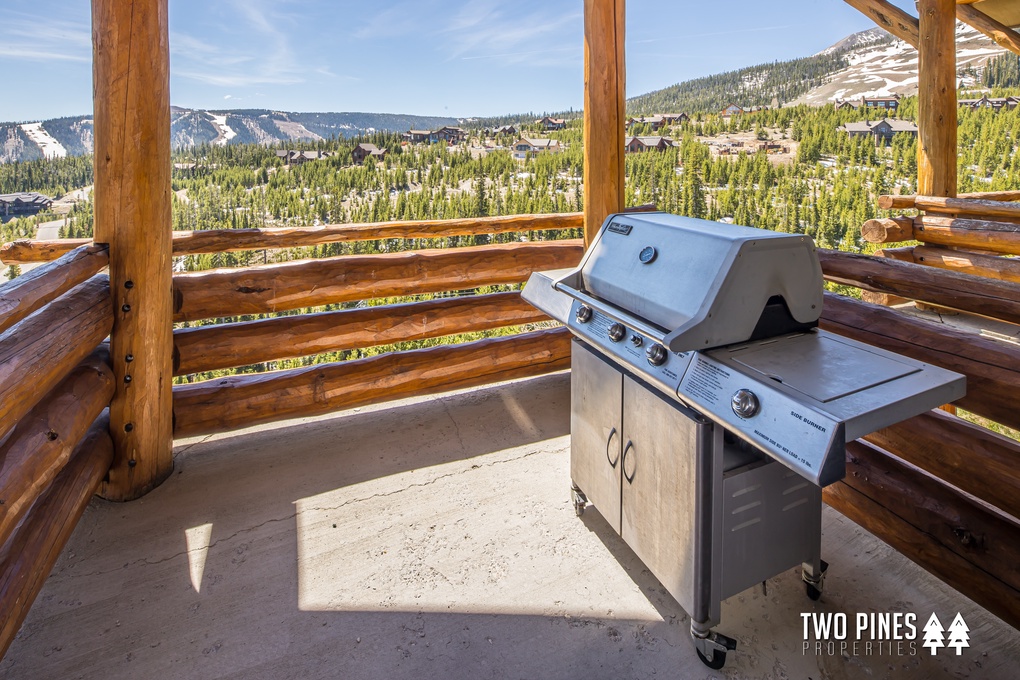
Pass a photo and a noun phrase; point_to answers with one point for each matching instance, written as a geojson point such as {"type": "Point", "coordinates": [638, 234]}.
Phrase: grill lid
{"type": "Point", "coordinates": [701, 284]}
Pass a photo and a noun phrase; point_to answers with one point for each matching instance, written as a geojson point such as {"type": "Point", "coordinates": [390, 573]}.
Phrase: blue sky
{"type": "Point", "coordinates": [431, 57]}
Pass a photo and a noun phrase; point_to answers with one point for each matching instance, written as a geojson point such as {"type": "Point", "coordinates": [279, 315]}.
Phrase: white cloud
{"type": "Point", "coordinates": [487, 29]}
{"type": "Point", "coordinates": [36, 38]}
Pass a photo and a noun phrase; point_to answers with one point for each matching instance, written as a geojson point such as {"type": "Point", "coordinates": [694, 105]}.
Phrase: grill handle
{"type": "Point", "coordinates": [609, 446]}
{"type": "Point", "coordinates": [623, 465]}
{"type": "Point", "coordinates": [630, 321]}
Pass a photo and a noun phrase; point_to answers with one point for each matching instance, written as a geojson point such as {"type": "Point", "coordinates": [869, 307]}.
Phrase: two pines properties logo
{"type": "Point", "coordinates": [880, 633]}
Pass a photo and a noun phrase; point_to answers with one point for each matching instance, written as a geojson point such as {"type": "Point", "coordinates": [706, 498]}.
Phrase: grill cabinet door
{"type": "Point", "coordinates": [596, 388]}
{"type": "Point", "coordinates": [662, 447]}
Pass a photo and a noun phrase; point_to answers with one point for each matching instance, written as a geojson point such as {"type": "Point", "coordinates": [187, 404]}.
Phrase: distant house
{"type": "Point", "coordinates": [505, 130]}
{"type": "Point", "coordinates": [659, 120]}
{"type": "Point", "coordinates": [731, 110]}
{"type": "Point", "coordinates": [363, 151]}
{"type": "Point", "coordinates": [642, 144]}
{"type": "Point", "coordinates": [23, 203]}
{"type": "Point", "coordinates": [891, 104]}
{"type": "Point", "coordinates": [882, 130]}
{"type": "Point", "coordinates": [526, 147]}
{"type": "Point", "coordinates": [450, 135]}
{"type": "Point", "coordinates": [994, 103]}
{"type": "Point", "coordinates": [294, 157]}
{"type": "Point", "coordinates": [773, 147]}
{"type": "Point", "coordinates": [417, 136]}
{"type": "Point", "coordinates": [548, 123]}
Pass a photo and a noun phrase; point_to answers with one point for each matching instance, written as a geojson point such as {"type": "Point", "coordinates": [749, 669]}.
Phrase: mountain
{"type": "Point", "coordinates": [869, 63]}
{"type": "Point", "coordinates": [188, 127]}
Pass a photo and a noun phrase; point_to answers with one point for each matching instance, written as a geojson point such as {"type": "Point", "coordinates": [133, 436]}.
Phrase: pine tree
{"type": "Point", "coordinates": [933, 634]}
{"type": "Point", "coordinates": [958, 634]}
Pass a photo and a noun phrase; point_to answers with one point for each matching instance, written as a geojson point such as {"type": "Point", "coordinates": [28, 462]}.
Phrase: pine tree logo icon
{"type": "Point", "coordinates": [958, 634]}
{"type": "Point", "coordinates": [933, 634]}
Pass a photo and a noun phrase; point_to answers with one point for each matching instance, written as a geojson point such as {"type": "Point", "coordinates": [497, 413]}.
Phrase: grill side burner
{"type": "Point", "coordinates": [707, 410]}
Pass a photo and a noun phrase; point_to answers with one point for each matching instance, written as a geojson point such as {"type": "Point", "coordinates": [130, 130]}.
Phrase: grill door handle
{"type": "Point", "coordinates": [609, 449]}
{"type": "Point", "coordinates": [623, 465]}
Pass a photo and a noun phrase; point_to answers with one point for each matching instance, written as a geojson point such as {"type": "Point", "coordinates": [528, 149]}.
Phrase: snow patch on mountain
{"type": "Point", "coordinates": [226, 133]}
{"type": "Point", "coordinates": [51, 148]}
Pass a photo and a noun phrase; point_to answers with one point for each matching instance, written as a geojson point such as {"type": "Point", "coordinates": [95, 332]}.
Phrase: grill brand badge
{"type": "Point", "coordinates": [881, 633]}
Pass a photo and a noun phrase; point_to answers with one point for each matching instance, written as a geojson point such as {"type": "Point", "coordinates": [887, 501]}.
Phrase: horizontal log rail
{"type": "Point", "coordinates": [311, 283]}
{"type": "Point", "coordinates": [209, 348]}
{"type": "Point", "coordinates": [988, 235]}
{"type": "Point", "coordinates": [965, 292]}
{"type": "Point", "coordinates": [955, 538]}
{"type": "Point", "coordinates": [888, 230]}
{"type": "Point", "coordinates": [40, 351]}
{"type": "Point", "coordinates": [976, 264]}
{"type": "Point", "coordinates": [992, 368]}
{"type": "Point", "coordinates": [968, 456]}
{"type": "Point", "coordinates": [28, 292]}
{"type": "Point", "coordinates": [240, 401]}
{"type": "Point", "coordinates": [25, 251]}
{"type": "Point", "coordinates": [41, 443]}
{"type": "Point", "coordinates": [30, 553]}
{"type": "Point", "coordinates": [908, 202]}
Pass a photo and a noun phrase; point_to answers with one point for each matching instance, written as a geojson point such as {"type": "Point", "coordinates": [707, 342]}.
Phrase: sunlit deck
{"type": "Point", "coordinates": [431, 537]}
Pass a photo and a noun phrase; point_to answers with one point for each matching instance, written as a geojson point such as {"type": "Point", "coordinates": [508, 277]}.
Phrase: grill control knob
{"type": "Point", "coordinates": [656, 354]}
{"type": "Point", "coordinates": [617, 331]}
{"type": "Point", "coordinates": [636, 340]}
{"type": "Point", "coordinates": [583, 314]}
{"type": "Point", "coordinates": [745, 404]}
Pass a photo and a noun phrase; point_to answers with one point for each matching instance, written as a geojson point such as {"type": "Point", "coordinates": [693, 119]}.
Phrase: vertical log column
{"type": "Point", "coordinates": [604, 109]}
{"type": "Point", "coordinates": [131, 76]}
{"type": "Point", "coordinates": [936, 98]}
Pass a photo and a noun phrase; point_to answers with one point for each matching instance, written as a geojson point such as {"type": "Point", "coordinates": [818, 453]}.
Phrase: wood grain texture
{"type": "Point", "coordinates": [925, 551]}
{"type": "Point", "coordinates": [888, 230]}
{"type": "Point", "coordinates": [887, 202]}
{"type": "Point", "coordinates": [992, 368]}
{"type": "Point", "coordinates": [311, 283]}
{"type": "Point", "coordinates": [982, 208]}
{"type": "Point", "coordinates": [987, 297]}
{"type": "Point", "coordinates": [42, 442]}
{"type": "Point", "coordinates": [28, 292]}
{"type": "Point", "coordinates": [890, 17]}
{"type": "Point", "coordinates": [131, 75]}
{"type": "Point", "coordinates": [604, 111]}
{"type": "Point", "coordinates": [39, 352]}
{"type": "Point", "coordinates": [962, 232]}
{"type": "Point", "coordinates": [30, 553]}
{"type": "Point", "coordinates": [971, 458]}
{"type": "Point", "coordinates": [25, 251]}
{"type": "Point", "coordinates": [1003, 36]}
{"type": "Point", "coordinates": [208, 348]}
{"type": "Point", "coordinates": [240, 401]}
{"type": "Point", "coordinates": [976, 264]}
{"type": "Point", "coordinates": [936, 98]}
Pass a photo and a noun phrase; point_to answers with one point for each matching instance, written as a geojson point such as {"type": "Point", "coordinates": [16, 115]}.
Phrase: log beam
{"type": "Point", "coordinates": [888, 230]}
{"type": "Point", "coordinates": [881, 515]}
{"type": "Point", "coordinates": [42, 442]}
{"type": "Point", "coordinates": [24, 250]}
{"type": "Point", "coordinates": [31, 552]}
{"type": "Point", "coordinates": [312, 283]}
{"type": "Point", "coordinates": [209, 348]}
{"type": "Point", "coordinates": [40, 351]}
{"type": "Point", "coordinates": [976, 264]}
{"type": "Point", "coordinates": [29, 292]}
{"type": "Point", "coordinates": [131, 76]}
{"type": "Point", "coordinates": [1003, 36]}
{"type": "Point", "coordinates": [906, 202]}
{"type": "Point", "coordinates": [936, 98]}
{"type": "Point", "coordinates": [992, 368]}
{"type": "Point", "coordinates": [971, 458]}
{"type": "Point", "coordinates": [891, 18]}
{"type": "Point", "coordinates": [965, 292]}
{"type": "Point", "coordinates": [604, 112]}
{"type": "Point", "coordinates": [241, 401]}
{"type": "Point", "coordinates": [968, 206]}
{"type": "Point", "coordinates": [962, 232]}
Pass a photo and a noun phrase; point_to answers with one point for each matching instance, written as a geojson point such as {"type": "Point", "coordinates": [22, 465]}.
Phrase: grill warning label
{"type": "Point", "coordinates": [705, 381]}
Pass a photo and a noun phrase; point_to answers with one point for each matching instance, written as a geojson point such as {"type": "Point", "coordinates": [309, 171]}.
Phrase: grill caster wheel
{"type": "Point", "coordinates": [579, 500]}
{"type": "Point", "coordinates": [813, 584]}
{"type": "Point", "coordinates": [812, 592]}
{"type": "Point", "coordinates": [717, 662]}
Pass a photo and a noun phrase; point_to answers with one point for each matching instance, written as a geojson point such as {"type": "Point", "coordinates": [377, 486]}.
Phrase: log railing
{"type": "Point", "coordinates": [55, 384]}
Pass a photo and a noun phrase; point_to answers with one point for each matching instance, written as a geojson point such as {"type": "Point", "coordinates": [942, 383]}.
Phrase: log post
{"type": "Point", "coordinates": [131, 74]}
{"type": "Point", "coordinates": [604, 110]}
{"type": "Point", "coordinates": [936, 98]}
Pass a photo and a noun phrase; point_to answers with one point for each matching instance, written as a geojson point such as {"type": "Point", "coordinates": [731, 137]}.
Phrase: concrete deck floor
{"type": "Point", "coordinates": [430, 538]}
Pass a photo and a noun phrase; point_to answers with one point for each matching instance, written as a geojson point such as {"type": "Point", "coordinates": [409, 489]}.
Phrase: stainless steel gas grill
{"type": "Point", "coordinates": [708, 411]}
